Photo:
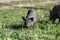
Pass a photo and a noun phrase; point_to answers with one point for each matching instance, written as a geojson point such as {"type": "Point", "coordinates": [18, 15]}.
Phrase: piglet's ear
{"type": "Point", "coordinates": [23, 18]}
{"type": "Point", "coordinates": [32, 19]}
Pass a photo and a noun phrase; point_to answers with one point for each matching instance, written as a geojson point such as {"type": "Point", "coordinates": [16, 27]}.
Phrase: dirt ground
{"type": "Point", "coordinates": [25, 5]}
{"type": "Point", "coordinates": [7, 0]}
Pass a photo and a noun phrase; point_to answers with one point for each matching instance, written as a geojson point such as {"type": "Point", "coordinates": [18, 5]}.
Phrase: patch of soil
{"type": "Point", "coordinates": [28, 4]}
{"type": "Point", "coordinates": [1, 1]}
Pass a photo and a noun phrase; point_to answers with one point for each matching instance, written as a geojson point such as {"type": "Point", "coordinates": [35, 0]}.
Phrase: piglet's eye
{"type": "Point", "coordinates": [31, 19]}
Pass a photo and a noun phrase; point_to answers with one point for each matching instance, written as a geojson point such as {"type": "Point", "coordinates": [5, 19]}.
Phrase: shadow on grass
{"type": "Point", "coordinates": [15, 26]}
{"type": "Point", "coordinates": [18, 27]}
{"type": "Point", "coordinates": [43, 21]}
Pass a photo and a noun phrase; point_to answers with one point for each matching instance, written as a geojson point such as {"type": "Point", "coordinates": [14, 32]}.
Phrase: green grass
{"type": "Point", "coordinates": [11, 21]}
{"type": "Point", "coordinates": [10, 3]}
